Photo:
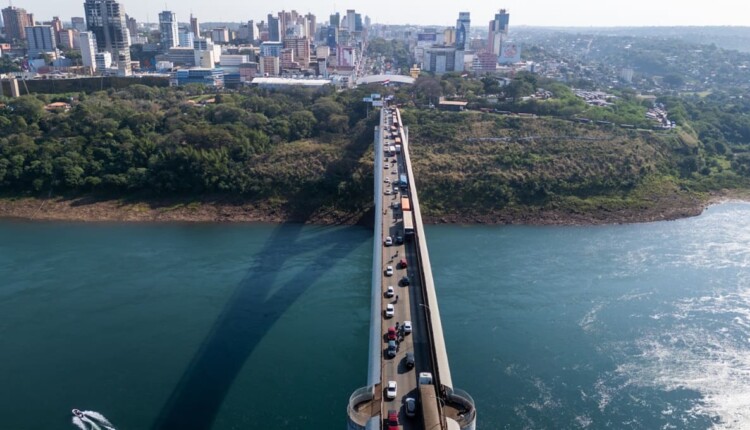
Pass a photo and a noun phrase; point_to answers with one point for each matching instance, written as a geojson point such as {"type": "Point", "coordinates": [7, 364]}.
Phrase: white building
{"type": "Point", "coordinates": [103, 60]}
{"type": "Point", "coordinates": [186, 38]}
{"type": "Point", "coordinates": [88, 49]}
{"type": "Point", "coordinates": [205, 59]}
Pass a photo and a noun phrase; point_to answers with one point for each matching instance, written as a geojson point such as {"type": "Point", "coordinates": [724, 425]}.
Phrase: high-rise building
{"type": "Point", "coordinates": [106, 19]}
{"type": "Point", "coordinates": [57, 26]}
{"type": "Point", "coordinates": [186, 38]}
{"type": "Point", "coordinates": [168, 30]}
{"type": "Point", "coordinates": [40, 39]}
{"type": "Point", "coordinates": [220, 35]}
{"type": "Point", "coordinates": [252, 31]}
{"type": "Point", "coordinates": [301, 48]}
{"type": "Point", "coordinates": [132, 25]}
{"type": "Point", "coordinates": [311, 25]}
{"type": "Point", "coordinates": [463, 26]}
{"type": "Point", "coordinates": [351, 20]}
{"type": "Point", "coordinates": [274, 29]}
{"type": "Point", "coordinates": [357, 22]}
{"type": "Point", "coordinates": [335, 20]}
{"type": "Point", "coordinates": [68, 38]}
{"type": "Point", "coordinates": [16, 20]}
{"type": "Point", "coordinates": [78, 23]}
{"type": "Point", "coordinates": [332, 37]}
{"type": "Point", "coordinates": [497, 31]}
{"type": "Point", "coordinates": [87, 41]}
{"type": "Point", "coordinates": [194, 26]}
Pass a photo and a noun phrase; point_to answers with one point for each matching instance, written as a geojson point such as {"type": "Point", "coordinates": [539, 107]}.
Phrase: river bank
{"type": "Point", "coordinates": [88, 209]}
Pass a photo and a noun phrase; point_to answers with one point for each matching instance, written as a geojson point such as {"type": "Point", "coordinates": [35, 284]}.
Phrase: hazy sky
{"type": "Point", "coordinates": [438, 12]}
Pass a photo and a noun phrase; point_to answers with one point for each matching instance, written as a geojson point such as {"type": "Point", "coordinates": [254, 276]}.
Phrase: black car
{"type": "Point", "coordinates": [399, 240]}
{"type": "Point", "coordinates": [404, 281]}
{"type": "Point", "coordinates": [409, 360]}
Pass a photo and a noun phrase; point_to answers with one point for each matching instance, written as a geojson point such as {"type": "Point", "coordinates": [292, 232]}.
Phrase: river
{"type": "Point", "coordinates": [237, 326]}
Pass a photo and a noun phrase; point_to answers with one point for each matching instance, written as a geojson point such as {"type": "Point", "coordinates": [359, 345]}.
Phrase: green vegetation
{"type": "Point", "coordinates": [303, 153]}
{"type": "Point", "coordinates": [478, 164]}
{"type": "Point", "coordinates": [299, 150]}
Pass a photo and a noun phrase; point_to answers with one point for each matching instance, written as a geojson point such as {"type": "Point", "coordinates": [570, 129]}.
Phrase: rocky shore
{"type": "Point", "coordinates": [103, 210]}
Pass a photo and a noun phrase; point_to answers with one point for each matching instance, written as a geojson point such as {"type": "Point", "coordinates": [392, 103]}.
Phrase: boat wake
{"type": "Point", "coordinates": [91, 420]}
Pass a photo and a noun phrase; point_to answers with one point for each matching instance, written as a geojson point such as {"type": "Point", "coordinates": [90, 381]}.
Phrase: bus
{"type": "Point", "coordinates": [408, 225]}
{"type": "Point", "coordinates": [402, 181]}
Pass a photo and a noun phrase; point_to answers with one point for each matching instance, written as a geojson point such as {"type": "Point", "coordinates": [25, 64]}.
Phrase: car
{"type": "Point", "coordinates": [404, 281]}
{"type": "Point", "coordinates": [389, 292]}
{"type": "Point", "coordinates": [394, 172]}
{"type": "Point", "coordinates": [409, 360]}
{"type": "Point", "coordinates": [389, 311]}
{"type": "Point", "coordinates": [387, 192]}
{"type": "Point", "coordinates": [402, 263]}
{"type": "Point", "coordinates": [387, 180]}
{"type": "Point", "coordinates": [392, 419]}
{"type": "Point", "coordinates": [395, 205]}
{"type": "Point", "coordinates": [410, 406]}
{"type": "Point", "coordinates": [392, 390]}
{"type": "Point", "coordinates": [392, 334]}
{"type": "Point", "coordinates": [392, 349]}
{"type": "Point", "coordinates": [388, 241]}
{"type": "Point", "coordinates": [389, 271]}
{"type": "Point", "coordinates": [385, 166]}
{"type": "Point", "coordinates": [407, 327]}
{"type": "Point", "coordinates": [399, 240]}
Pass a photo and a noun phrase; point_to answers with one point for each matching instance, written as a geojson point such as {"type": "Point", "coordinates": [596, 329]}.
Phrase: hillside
{"type": "Point", "coordinates": [163, 154]}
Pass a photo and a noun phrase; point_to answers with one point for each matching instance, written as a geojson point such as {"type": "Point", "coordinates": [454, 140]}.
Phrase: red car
{"type": "Point", "coordinates": [392, 335]}
{"type": "Point", "coordinates": [392, 420]}
{"type": "Point", "coordinates": [403, 263]}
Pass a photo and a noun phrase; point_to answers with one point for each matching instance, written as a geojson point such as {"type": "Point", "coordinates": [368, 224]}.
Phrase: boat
{"type": "Point", "coordinates": [78, 413]}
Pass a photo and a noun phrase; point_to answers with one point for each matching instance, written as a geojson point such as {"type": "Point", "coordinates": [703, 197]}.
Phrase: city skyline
{"type": "Point", "coordinates": [573, 13]}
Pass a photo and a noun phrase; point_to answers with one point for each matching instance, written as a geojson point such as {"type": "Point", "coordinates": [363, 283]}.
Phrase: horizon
{"type": "Point", "coordinates": [541, 13]}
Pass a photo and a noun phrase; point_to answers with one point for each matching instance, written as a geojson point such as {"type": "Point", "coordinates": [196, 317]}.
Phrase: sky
{"type": "Point", "coordinates": [557, 13]}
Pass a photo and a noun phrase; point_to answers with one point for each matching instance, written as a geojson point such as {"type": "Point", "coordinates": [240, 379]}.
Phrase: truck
{"type": "Point", "coordinates": [429, 399]}
{"type": "Point", "coordinates": [408, 225]}
{"type": "Point", "coordinates": [392, 150]}
{"type": "Point", "coordinates": [398, 149]}
{"type": "Point", "coordinates": [405, 204]}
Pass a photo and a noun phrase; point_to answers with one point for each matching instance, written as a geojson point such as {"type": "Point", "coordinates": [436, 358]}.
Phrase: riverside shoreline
{"type": "Point", "coordinates": [95, 210]}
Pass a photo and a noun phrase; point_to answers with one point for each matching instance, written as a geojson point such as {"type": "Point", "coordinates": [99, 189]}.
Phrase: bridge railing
{"type": "Point", "coordinates": [359, 396]}
{"type": "Point", "coordinates": [420, 267]}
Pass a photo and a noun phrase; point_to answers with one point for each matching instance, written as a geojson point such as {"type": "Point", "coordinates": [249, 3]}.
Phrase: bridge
{"type": "Point", "coordinates": [408, 362]}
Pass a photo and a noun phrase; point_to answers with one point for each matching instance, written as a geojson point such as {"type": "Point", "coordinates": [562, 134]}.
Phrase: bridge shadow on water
{"type": "Point", "coordinates": [259, 300]}
{"type": "Point", "coordinates": [256, 304]}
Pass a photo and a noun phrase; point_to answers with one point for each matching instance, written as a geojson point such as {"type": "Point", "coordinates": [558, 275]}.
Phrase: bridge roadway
{"type": "Point", "coordinates": [441, 407]}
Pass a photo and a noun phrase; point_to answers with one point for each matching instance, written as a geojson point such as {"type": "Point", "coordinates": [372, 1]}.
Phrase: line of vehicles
{"type": "Point", "coordinates": [395, 334]}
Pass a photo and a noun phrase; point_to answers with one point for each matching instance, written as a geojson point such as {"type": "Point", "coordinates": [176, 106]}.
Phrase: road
{"type": "Point", "coordinates": [407, 307]}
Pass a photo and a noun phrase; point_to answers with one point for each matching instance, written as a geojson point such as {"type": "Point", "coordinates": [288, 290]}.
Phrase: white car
{"type": "Point", "coordinates": [389, 291]}
{"type": "Point", "coordinates": [407, 327]}
{"type": "Point", "coordinates": [387, 180]}
{"type": "Point", "coordinates": [389, 310]}
{"type": "Point", "coordinates": [388, 241]}
{"type": "Point", "coordinates": [392, 391]}
{"type": "Point", "coordinates": [388, 270]}
{"type": "Point", "coordinates": [387, 191]}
